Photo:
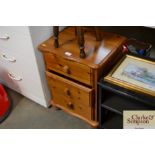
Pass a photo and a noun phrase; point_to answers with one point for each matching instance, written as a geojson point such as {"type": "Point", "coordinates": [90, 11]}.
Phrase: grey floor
{"type": "Point", "coordinates": [27, 114]}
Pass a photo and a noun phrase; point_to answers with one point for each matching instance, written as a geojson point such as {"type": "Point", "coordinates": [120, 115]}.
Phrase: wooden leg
{"type": "Point", "coordinates": [56, 34]}
{"type": "Point", "coordinates": [95, 127]}
{"type": "Point", "coordinates": [80, 35]}
{"type": "Point", "coordinates": [97, 33]}
{"type": "Point", "coordinates": [54, 106]}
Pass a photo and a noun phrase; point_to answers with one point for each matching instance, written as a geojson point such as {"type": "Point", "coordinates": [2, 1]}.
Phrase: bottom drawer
{"type": "Point", "coordinates": [70, 96]}
{"type": "Point", "coordinates": [20, 80]}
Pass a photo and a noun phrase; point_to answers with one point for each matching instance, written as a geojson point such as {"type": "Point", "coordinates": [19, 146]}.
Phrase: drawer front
{"type": "Point", "coordinates": [17, 52]}
{"type": "Point", "coordinates": [21, 81]}
{"type": "Point", "coordinates": [11, 31]}
{"type": "Point", "coordinates": [20, 76]}
{"type": "Point", "coordinates": [71, 96]}
{"type": "Point", "coordinates": [69, 68]}
{"type": "Point", "coordinates": [15, 41]}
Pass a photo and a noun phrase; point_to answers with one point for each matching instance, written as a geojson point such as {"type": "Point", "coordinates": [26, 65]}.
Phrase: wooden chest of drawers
{"type": "Point", "coordinates": [72, 80]}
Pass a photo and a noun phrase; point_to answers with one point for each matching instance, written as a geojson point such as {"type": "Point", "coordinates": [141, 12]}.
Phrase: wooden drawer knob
{"type": "Point", "coordinates": [70, 105]}
{"type": "Point", "coordinates": [66, 69]}
{"type": "Point", "coordinates": [67, 92]}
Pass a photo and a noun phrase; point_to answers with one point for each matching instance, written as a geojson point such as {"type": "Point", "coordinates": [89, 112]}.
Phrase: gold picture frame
{"type": "Point", "coordinates": [135, 74]}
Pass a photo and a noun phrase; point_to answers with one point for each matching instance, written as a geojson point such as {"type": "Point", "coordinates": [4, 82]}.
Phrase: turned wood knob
{"type": "Point", "coordinates": [67, 92]}
{"type": "Point", "coordinates": [66, 69]}
{"type": "Point", "coordinates": [70, 105]}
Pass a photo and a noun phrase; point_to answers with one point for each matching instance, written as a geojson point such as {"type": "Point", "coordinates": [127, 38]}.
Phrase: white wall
{"type": "Point", "coordinates": [40, 34]}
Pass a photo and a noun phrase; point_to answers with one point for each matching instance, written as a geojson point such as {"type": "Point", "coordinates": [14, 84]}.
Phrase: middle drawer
{"type": "Point", "coordinates": [69, 68]}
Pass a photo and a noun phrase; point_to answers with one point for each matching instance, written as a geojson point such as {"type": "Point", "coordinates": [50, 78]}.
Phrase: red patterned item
{"type": "Point", "coordinates": [5, 104]}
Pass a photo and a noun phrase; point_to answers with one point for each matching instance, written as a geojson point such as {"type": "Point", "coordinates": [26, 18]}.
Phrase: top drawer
{"type": "Point", "coordinates": [69, 68]}
{"type": "Point", "coordinates": [15, 41]}
{"type": "Point", "coordinates": [12, 38]}
{"type": "Point", "coordinates": [12, 30]}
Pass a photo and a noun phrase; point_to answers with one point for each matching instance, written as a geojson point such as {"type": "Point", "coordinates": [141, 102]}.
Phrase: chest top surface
{"type": "Point", "coordinates": [97, 52]}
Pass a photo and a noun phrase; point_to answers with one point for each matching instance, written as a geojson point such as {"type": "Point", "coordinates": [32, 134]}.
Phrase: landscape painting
{"type": "Point", "coordinates": [140, 74]}
{"type": "Point", "coordinates": [135, 74]}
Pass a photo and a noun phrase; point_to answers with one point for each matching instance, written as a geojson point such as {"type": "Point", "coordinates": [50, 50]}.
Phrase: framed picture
{"type": "Point", "coordinates": [135, 74]}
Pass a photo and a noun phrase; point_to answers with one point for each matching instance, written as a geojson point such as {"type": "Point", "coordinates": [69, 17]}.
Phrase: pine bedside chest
{"type": "Point", "coordinates": [73, 80]}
